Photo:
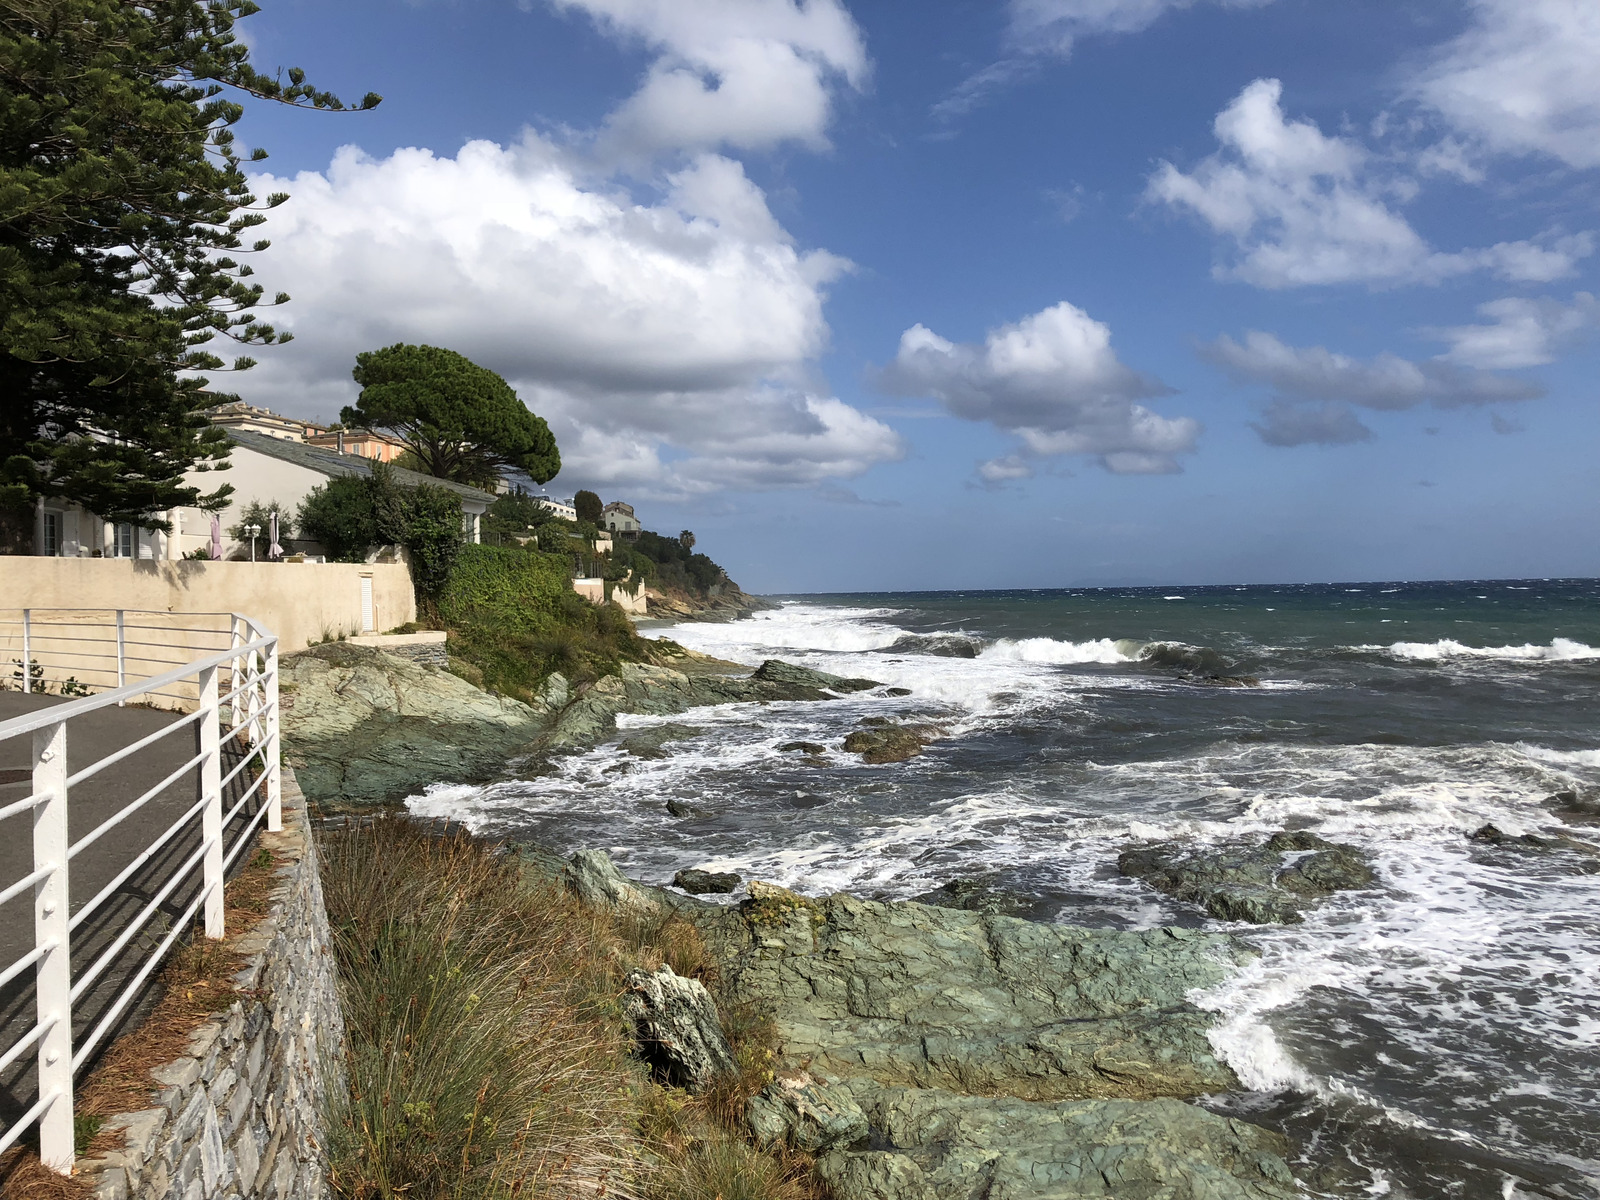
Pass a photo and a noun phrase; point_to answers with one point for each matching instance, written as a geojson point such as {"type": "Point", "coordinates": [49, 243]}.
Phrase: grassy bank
{"type": "Point", "coordinates": [487, 1053]}
{"type": "Point", "coordinates": [513, 618]}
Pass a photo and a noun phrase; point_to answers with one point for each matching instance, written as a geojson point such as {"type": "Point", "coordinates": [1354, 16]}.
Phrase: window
{"type": "Point", "coordinates": [51, 542]}
{"type": "Point", "coordinates": [122, 544]}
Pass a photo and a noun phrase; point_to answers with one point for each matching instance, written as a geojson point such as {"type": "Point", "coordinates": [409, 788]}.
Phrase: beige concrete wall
{"type": "Point", "coordinates": [594, 591]}
{"type": "Point", "coordinates": [300, 602]}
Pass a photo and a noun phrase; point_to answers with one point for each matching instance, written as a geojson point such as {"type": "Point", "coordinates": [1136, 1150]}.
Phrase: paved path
{"type": "Point", "coordinates": [91, 737]}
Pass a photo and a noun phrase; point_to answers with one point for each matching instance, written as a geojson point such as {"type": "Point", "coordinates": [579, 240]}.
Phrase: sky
{"type": "Point", "coordinates": [1027, 293]}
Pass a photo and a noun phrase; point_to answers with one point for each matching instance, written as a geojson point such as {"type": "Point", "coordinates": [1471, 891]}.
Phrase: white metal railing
{"type": "Point", "coordinates": [238, 726]}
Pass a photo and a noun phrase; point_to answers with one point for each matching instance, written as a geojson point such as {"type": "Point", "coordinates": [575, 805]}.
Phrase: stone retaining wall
{"type": "Point", "coordinates": [425, 648]}
{"type": "Point", "coordinates": [240, 1115]}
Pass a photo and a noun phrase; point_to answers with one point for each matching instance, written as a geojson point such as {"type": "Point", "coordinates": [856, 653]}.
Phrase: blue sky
{"type": "Point", "coordinates": [1030, 294]}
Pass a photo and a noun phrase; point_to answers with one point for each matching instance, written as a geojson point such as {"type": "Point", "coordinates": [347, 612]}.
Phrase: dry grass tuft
{"type": "Point", "coordinates": [487, 1052]}
{"type": "Point", "coordinates": [195, 984]}
{"type": "Point", "coordinates": [24, 1177]}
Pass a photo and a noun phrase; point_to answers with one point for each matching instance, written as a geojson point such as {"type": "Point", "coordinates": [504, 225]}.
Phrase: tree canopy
{"type": "Point", "coordinates": [588, 507]}
{"type": "Point", "coordinates": [123, 207]}
{"type": "Point", "coordinates": [459, 420]}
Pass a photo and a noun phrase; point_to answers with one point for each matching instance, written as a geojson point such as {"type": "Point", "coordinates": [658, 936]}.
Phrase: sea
{"type": "Point", "coordinates": [1435, 1035]}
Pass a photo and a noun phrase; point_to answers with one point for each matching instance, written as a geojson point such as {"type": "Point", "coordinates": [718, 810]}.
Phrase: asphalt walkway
{"type": "Point", "coordinates": [91, 737]}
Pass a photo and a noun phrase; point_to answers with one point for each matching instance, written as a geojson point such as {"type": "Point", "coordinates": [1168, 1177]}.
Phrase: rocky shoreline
{"type": "Point", "coordinates": [929, 1050]}
{"type": "Point", "coordinates": [367, 729]}
{"type": "Point", "coordinates": [929, 1053]}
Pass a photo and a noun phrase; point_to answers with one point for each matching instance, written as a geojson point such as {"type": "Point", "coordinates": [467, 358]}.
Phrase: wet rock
{"type": "Point", "coordinates": [802, 683]}
{"type": "Point", "coordinates": [594, 879]}
{"type": "Point", "coordinates": [897, 691]}
{"type": "Point", "coordinates": [975, 895]}
{"type": "Point", "coordinates": [930, 1144]}
{"type": "Point", "coordinates": [803, 1113]}
{"type": "Point", "coordinates": [1251, 883]}
{"type": "Point", "coordinates": [1493, 835]}
{"type": "Point", "coordinates": [883, 741]}
{"type": "Point", "coordinates": [1573, 809]}
{"type": "Point", "coordinates": [698, 882]}
{"type": "Point", "coordinates": [683, 810]}
{"type": "Point", "coordinates": [676, 1028]}
{"type": "Point", "coordinates": [803, 748]}
{"type": "Point", "coordinates": [650, 743]}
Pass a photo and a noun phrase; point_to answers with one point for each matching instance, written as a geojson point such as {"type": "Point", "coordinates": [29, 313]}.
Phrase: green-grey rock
{"type": "Point", "coordinates": [803, 1113]}
{"type": "Point", "coordinates": [975, 895]}
{"type": "Point", "coordinates": [594, 879]}
{"type": "Point", "coordinates": [934, 997]}
{"type": "Point", "coordinates": [698, 882]}
{"type": "Point", "coordinates": [1253, 883]}
{"type": "Point", "coordinates": [932, 1144]}
{"type": "Point", "coordinates": [365, 727]}
{"type": "Point", "coordinates": [804, 681]}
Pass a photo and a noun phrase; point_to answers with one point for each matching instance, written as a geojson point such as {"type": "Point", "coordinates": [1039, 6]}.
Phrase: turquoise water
{"type": "Point", "coordinates": [1435, 1036]}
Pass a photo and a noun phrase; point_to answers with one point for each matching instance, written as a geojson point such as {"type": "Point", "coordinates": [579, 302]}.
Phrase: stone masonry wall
{"type": "Point", "coordinates": [425, 648]}
{"type": "Point", "coordinates": [240, 1115]}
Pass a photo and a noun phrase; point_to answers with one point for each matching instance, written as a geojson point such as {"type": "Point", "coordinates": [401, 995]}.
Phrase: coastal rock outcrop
{"type": "Point", "coordinates": [593, 878]}
{"type": "Point", "coordinates": [1260, 884]}
{"type": "Point", "coordinates": [930, 1053]}
{"type": "Point", "coordinates": [803, 1113]}
{"type": "Point", "coordinates": [975, 895]}
{"type": "Point", "coordinates": [676, 1028]}
{"type": "Point", "coordinates": [880, 740]}
{"type": "Point", "coordinates": [705, 883]}
{"type": "Point", "coordinates": [931, 1144]}
{"type": "Point", "coordinates": [912, 995]}
{"type": "Point", "coordinates": [363, 726]}
{"type": "Point", "coordinates": [654, 690]}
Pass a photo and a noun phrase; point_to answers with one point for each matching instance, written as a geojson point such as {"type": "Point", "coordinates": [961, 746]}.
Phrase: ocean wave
{"type": "Point", "coordinates": [1559, 650]}
{"type": "Point", "coordinates": [1195, 660]}
{"type": "Point", "coordinates": [1049, 651]}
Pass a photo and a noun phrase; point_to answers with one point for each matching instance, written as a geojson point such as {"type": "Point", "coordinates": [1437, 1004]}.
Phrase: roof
{"type": "Point", "coordinates": [331, 463]}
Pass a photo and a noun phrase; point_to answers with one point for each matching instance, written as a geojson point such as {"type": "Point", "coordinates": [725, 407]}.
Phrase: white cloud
{"type": "Point", "coordinates": [1054, 381]}
{"type": "Point", "coordinates": [1303, 208]}
{"type": "Point", "coordinates": [1054, 26]}
{"type": "Point", "coordinates": [1522, 80]}
{"type": "Point", "coordinates": [742, 73]}
{"type": "Point", "coordinates": [1521, 332]}
{"type": "Point", "coordinates": [670, 345]}
{"type": "Point", "coordinates": [1040, 30]}
{"type": "Point", "coordinates": [1314, 388]}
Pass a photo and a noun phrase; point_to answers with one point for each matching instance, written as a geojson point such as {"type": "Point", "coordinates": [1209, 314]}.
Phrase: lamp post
{"type": "Point", "coordinates": [251, 531]}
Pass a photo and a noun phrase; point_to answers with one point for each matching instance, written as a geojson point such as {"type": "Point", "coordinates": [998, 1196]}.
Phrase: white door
{"type": "Point", "coordinates": [366, 604]}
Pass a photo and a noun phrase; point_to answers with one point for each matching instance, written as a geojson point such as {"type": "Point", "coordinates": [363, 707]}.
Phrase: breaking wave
{"type": "Point", "coordinates": [1559, 650]}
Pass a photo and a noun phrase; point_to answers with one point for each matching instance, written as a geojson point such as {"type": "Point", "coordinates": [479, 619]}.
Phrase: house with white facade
{"type": "Point", "coordinates": [263, 467]}
{"type": "Point", "coordinates": [565, 509]}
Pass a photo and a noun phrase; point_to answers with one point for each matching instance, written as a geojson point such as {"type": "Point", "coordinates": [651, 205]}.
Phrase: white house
{"type": "Point", "coordinates": [565, 509]}
{"type": "Point", "coordinates": [264, 467]}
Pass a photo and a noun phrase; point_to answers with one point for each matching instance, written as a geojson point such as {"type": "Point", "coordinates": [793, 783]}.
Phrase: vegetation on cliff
{"type": "Point", "coordinates": [487, 1052]}
{"type": "Point", "coordinates": [513, 619]}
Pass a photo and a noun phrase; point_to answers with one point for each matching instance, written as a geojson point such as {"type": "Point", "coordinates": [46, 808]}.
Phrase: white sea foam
{"type": "Point", "coordinates": [1058, 653]}
{"type": "Point", "coordinates": [1559, 650]}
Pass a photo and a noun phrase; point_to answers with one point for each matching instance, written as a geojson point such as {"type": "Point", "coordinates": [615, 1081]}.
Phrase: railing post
{"type": "Point", "coordinates": [274, 772]}
{"type": "Point", "coordinates": [211, 793]}
{"type": "Point", "coordinates": [122, 654]}
{"type": "Point", "coordinates": [27, 651]}
{"type": "Point", "coordinates": [235, 674]}
{"type": "Point", "coordinates": [53, 974]}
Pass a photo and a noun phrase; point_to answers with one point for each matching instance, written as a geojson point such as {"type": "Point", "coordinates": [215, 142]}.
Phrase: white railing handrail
{"type": "Point", "coordinates": [249, 731]}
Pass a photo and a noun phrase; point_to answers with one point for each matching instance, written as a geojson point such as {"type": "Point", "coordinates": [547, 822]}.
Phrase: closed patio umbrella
{"type": "Point", "coordinates": [216, 536]}
{"type": "Point", "coordinates": [274, 551]}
